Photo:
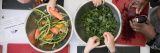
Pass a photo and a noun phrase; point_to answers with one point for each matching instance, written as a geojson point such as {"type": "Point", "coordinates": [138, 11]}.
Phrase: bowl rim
{"type": "Point", "coordinates": [119, 15]}
{"type": "Point", "coordinates": [71, 33]}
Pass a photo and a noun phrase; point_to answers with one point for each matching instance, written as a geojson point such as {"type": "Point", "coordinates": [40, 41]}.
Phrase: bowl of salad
{"type": "Point", "coordinates": [48, 32]}
{"type": "Point", "coordinates": [94, 21]}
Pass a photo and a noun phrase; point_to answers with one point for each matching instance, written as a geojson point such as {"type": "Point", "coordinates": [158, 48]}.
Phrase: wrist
{"type": "Point", "coordinates": [86, 50]}
{"type": "Point", "coordinates": [113, 50]}
{"type": "Point", "coordinates": [52, 1]}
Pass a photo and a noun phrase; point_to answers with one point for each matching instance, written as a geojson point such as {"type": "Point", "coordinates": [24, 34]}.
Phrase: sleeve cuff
{"type": "Point", "coordinates": [152, 41]}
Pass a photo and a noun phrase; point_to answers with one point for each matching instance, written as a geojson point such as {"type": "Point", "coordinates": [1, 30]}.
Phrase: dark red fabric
{"type": "Point", "coordinates": [26, 48]}
{"type": "Point", "coordinates": [1, 48]}
{"type": "Point", "coordinates": [128, 36]}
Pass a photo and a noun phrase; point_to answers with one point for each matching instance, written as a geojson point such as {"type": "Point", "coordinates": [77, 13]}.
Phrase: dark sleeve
{"type": "Point", "coordinates": [115, 52]}
{"type": "Point", "coordinates": [154, 3]}
{"type": "Point", "coordinates": [155, 42]}
{"type": "Point", "coordinates": [60, 2]}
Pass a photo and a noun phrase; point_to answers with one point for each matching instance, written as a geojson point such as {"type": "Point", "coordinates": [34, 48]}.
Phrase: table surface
{"type": "Point", "coordinates": [70, 5]}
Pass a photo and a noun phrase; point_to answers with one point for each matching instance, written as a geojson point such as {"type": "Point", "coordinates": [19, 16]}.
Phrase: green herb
{"type": "Point", "coordinates": [97, 21]}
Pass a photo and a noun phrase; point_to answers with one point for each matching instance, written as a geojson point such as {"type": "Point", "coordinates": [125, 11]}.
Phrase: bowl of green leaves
{"type": "Point", "coordinates": [90, 21]}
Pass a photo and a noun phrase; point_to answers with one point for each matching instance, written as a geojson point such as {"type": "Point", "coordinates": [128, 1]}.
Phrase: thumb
{"type": "Point", "coordinates": [105, 35]}
{"type": "Point", "coordinates": [137, 10]}
{"type": "Point", "coordinates": [97, 43]}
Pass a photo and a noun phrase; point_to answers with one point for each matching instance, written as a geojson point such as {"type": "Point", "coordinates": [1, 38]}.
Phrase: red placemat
{"type": "Point", "coordinates": [128, 36]}
{"type": "Point", "coordinates": [26, 48]}
{"type": "Point", "coordinates": [1, 48]}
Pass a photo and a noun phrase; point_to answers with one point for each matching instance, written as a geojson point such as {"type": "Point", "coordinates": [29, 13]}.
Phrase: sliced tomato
{"type": "Point", "coordinates": [55, 13]}
{"type": "Point", "coordinates": [37, 33]}
{"type": "Point", "coordinates": [31, 37]}
{"type": "Point", "coordinates": [54, 30]}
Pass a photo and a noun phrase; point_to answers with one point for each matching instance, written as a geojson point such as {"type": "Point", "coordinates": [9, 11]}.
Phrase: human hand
{"type": "Point", "coordinates": [97, 2]}
{"type": "Point", "coordinates": [145, 28]}
{"type": "Point", "coordinates": [109, 41]}
{"type": "Point", "coordinates": [92, 43]}
{"type": "Point", "coordinates": [138, 4]}
{"type": "Point", "coordinates": [51, 4]}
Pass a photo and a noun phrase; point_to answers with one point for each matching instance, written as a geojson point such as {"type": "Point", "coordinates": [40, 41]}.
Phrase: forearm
{"type": "Point", "coordinates": [86, 50]}
{"type": "Point", "coordinates": [52, 1]}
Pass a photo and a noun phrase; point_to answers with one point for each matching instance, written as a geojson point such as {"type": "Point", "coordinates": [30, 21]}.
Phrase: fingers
{"type": "Point", "coordinates": [134, 26]}
{"type": "Point", "coordinates": [108, 36]}
{"type": "Point", "coordinates": [139, 9]}
{"type": "Point", "coordinates": [97, 43]}
{"type": "Point", "coordinates": [95, 40]}
{"type": "Point", "coordinates": [97, 2]}
{"type": "Point", "coordinates": [51, 4]}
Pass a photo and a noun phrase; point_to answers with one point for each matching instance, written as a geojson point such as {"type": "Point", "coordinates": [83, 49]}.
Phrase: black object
{"type": "Point", "coordinates": [14, 4]}
{"type": "Point", "coordinates": [45, 1]}
{"type": "Point", "coordinates": [80, 49]}
{"type": "Point", "coordinates": [154, 3]}
{"type": "Point", "coordinates": [60, 2]}
{"type": "Point", "coordinates": [154, 51]}
{"type": "Point", "coordinates": [141, 19]}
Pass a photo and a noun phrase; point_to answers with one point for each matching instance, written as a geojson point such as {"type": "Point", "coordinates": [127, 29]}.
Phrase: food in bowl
{"type": "Point", "coordinates": [97, 21]}
{"type": "Point", "coordinates": [47, 32]}
{"type": "Point", "coordinates": [90, 21]}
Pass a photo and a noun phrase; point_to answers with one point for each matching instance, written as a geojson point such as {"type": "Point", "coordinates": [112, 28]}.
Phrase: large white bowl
{"type": "Point", "coordinates": [88, 5]}
{"type": "Point", "coordinates": [31, 26]}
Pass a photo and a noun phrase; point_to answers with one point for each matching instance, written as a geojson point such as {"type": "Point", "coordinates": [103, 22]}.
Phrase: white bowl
{"type": "Point", "coordinates": [86, 5]}
{"type": "Point", "coordinates": [30, 26]}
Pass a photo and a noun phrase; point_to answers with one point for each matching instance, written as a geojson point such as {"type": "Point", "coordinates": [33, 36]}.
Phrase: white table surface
{"type": "Point", "coordinates": [70, 5]}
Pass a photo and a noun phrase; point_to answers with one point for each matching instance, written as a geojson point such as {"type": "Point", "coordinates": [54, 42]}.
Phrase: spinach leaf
{"type": "Point", "coordinates": [98, 21]}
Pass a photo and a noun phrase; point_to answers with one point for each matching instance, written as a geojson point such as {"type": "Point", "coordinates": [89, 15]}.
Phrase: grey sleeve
{"type": "Point", "coordinates": [154, 3]}
{"type": "Point", "coordinates": [155, 43]}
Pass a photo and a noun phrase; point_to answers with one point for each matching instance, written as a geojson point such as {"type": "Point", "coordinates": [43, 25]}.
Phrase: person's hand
{"type": "Point", "coordinates": [145, 28]}
{"type": "Point", "coordinates": [97, 2]}
{"type": "Point", "coordinates": [109, 41]}
{"type": "Point", "coordinates": [92, 43]}
{"type": "Point", "coordinates": [51, 4]}
{"type": "Point", "coordinates": [139, 5]}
